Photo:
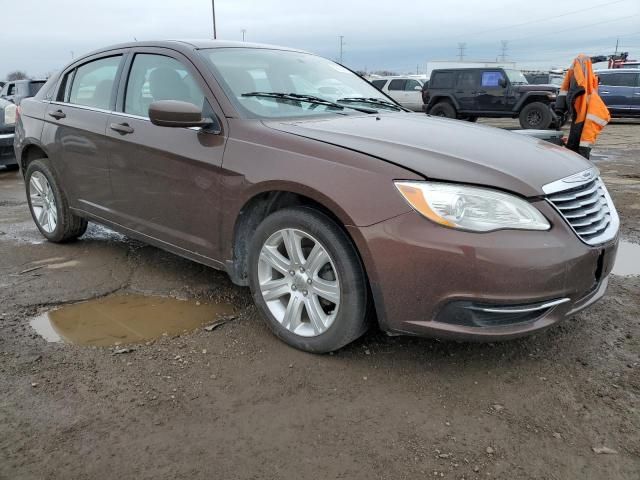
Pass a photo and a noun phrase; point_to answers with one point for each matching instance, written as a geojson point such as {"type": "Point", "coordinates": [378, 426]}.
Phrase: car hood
{"type": "Point", "coordinates": [448, 150]}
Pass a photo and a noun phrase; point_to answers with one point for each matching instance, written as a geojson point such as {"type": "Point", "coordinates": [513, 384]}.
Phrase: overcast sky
{"type": "Point", "coordinates": [39, 36]}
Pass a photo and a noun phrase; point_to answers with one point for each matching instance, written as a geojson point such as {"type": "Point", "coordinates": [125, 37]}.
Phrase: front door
{"type": "Point", "coordinates": [166, 181]}
{"type": "Point", "coordinates": [413, 95]}
{"type": "Point", "coordinates": [617, 90]}
{"type": "Point", "coordinates": [491, 95]}
{"type": "Point", "coordinates": [74, 131]}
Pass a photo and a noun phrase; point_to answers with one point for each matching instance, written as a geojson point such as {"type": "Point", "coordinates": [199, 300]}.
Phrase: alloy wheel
{"type": "Point", "coordinates": [43, 202]}
{"type": "Point", "coordinates": [299, 282]}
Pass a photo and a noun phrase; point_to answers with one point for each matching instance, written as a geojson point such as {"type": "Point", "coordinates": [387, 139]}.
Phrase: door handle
{"type": "Point", "coordinates": [58, 114]}
{"type": "Point", "coordinates": [122, 128]}
{"type": "Point", "coordinates": [636, 93]}
{"type": "Point", "coordinates": [481, 91]}
{"type": "Point", "coordinates": [604, 92]}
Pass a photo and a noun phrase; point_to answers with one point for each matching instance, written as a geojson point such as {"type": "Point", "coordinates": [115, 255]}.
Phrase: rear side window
{"type": "Point", "coordinates": [34, 88]}
{"type": "Point", "coordinates": [466, 80]}
{"type": "Point", "coordinates": [441, 80]}
{"type": "Point", "coordinates": [379, 84]}
{"type": "Point", "coordinates": [156, 77]}
{"type": "Point", "coordinates": [619, 79]}
{"type": "Point", "coordinates": [491, 79]}
{"type": "Point", "coordinates": [397, 84]}
{"type": "Point", "coordinates": [92, 84]}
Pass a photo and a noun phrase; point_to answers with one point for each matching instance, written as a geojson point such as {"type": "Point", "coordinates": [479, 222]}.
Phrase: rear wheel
{"type": "Point", "coordinates": [308, 281]}
{"type": "Point", "coordinates": [49, 206]}
{"type": "Point", "coordinates": [536, 115]}
{"type": "Point", "coordinates": [443, 109]}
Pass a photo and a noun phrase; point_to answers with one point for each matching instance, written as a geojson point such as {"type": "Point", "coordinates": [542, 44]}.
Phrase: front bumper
{"type": "Point", "coordinates": [423, 275]}
{"type": "Point", "coordinates": [7, 155]}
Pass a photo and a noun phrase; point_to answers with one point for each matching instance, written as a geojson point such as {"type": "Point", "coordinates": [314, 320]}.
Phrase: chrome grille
{"type": "Point", "coordinates": [588, 209]}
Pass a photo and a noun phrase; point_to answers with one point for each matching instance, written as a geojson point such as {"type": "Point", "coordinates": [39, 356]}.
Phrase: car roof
{"type": "Point", "coordinates": [190, 44]}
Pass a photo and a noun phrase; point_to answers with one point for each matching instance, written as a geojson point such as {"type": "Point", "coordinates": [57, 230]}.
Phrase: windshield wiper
{"type": "Point", "coordinates": [307, 98]}
{"type": "Point", "coordinates": [373, 101]}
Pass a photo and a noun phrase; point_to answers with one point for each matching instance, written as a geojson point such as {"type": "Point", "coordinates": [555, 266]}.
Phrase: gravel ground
{"type": "Point", "coordinates": [237, 403]}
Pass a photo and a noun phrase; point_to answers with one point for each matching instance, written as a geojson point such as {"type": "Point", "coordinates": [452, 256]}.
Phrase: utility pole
{"type": "Point", "coordinates": [504, 48]}
{"type": "Point", "coordinates": [617, 42]}
{"type": "Point", "coordinates": [244, 30]}
{"type": "Point", "coordinates": [213, 10]}
{"type": "Point", "coordinates": [461, 48]}
{"type": "Point", "coordinates": [341, 48]}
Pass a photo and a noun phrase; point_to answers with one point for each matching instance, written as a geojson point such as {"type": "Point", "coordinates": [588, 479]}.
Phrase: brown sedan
{"type": "Point", "coordinates": [304, 182]}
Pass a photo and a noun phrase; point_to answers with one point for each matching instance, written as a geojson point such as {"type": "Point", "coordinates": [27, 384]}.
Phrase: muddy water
{"type": "Point", "coordinates": [124, 319]}
{"type": "Point", "coordinates": [627, 259]}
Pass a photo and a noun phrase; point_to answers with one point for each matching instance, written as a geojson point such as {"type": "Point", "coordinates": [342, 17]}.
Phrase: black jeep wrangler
{"type": "Point", "coordinates": [469, 93]}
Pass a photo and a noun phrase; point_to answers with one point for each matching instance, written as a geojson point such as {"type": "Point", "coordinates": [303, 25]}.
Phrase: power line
{"type": "Point", "coordinates": [555, 32]}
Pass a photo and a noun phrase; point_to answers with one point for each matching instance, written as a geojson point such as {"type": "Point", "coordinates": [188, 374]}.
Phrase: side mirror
{"type": "Point", "coordinates": [418, 89]}
{"type": "Point", "coordinates": [503, 82]}
{"type": "Point", "coordinates": [174, 113]}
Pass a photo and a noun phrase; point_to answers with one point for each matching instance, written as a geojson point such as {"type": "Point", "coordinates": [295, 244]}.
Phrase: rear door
{"type": "Point", "coordinates": [166, 181]}
{"type": "Point", "coordinates": [635, 104]}
{"type": "Point", "coordinates": [466, 87]}
{"type": "Point", "coordinates": [617, 91]}
{"type": "Point", "coordinates": [74, 130]}
{"type": "Point", "coordinates": [396, 90]}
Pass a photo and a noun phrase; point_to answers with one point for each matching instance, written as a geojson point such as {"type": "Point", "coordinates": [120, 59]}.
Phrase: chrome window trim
{"type": "Point", "coordinates": [81, 107]}
{"type": "Point", "coordinates": [6, 136]}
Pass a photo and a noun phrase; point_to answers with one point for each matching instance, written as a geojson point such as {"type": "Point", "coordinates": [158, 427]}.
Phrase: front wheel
{"type": "Point", "coordinates": [307, 279]}
{"type": "Point", "coordinates": [536, 115]}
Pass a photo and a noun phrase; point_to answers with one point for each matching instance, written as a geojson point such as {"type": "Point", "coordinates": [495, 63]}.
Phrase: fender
{"type": "Point", "coordinates": [443, 96]}
{"type": "Point", "coordinates": [536, 96]}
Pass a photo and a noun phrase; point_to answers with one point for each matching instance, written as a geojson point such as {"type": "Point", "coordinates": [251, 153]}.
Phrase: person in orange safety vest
{"type": "Point", "coordinates": [579, 95]}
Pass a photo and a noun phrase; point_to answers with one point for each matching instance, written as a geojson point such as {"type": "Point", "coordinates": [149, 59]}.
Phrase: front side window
{"type": "Point", "coordinates": [412, 84]}
{"type": "Point", "coordinates": [280, 83]}
{"type": "Point", "coordinates": [379, 84]}
{"type": "Point", "coordinates": [92, 84]}
{"type": "Point", "coordinates": [619, 79]}
{"type": "Point", "coordinates": [157, 77]}
{"type": "Point", "coordinates": [491, 79]}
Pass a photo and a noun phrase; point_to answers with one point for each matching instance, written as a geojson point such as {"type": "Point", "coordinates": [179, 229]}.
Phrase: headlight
{"type": "Point", "coordinates": [10, 114]}
{"type": "Point", "coordinates": [471, 208]}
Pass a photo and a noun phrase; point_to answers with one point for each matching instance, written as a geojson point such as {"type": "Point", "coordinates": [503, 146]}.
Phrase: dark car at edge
{"type": "Point", "coordinates": [336, 206]}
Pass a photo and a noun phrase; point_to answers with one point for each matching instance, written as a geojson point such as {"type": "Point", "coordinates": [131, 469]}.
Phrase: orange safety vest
{"type": "Point", "coordinates": [580, 91]}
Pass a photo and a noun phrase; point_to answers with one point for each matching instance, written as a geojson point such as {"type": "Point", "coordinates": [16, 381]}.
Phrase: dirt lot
{"type": "Point", "coordinates": [236, 403]}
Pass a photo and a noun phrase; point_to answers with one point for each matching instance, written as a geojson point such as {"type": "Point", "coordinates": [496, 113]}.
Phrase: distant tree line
{"type": "Point", "coordinates": [16, 75]}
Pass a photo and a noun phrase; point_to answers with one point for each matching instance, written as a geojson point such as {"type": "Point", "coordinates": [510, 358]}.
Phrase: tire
{"type": "Point", "coordinates": [536, 115]}
{"type": "Point", "coordinates": [443, 109]}
{"type": "Point", "coordinates": [294, 286]}
{"type": "Point", "coordinates": [59, 225]}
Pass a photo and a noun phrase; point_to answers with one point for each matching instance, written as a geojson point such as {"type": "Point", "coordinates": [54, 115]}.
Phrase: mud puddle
{"type": "Point", "coordinates": [627, 259]}
{"type": "Point", "coordinates": [125, 319]}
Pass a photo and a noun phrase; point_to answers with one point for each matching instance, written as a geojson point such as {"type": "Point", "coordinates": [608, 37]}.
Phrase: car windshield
{"type": "Point", "coordinates": [516, 77]}
{"type": "Point", "coordinates": [268, 83]}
